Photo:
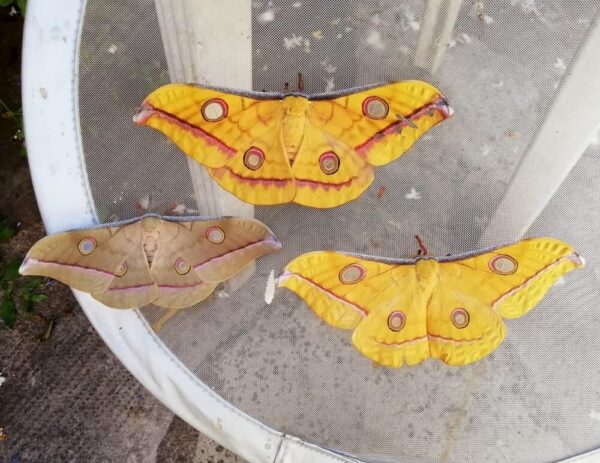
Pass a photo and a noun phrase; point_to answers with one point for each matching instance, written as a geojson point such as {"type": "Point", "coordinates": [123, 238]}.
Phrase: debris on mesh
{"type": "Point", "coordinates": [413, 194]}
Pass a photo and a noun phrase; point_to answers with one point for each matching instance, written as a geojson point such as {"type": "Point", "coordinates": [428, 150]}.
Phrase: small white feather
{"type": "Point", "coordinates": [270, 289]}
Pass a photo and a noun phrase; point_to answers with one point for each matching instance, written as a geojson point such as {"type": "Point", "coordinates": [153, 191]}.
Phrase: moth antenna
{"type": "Point", "coordinates": [300, 82]}
{"type": "Point", "coordinates": [422, 248]}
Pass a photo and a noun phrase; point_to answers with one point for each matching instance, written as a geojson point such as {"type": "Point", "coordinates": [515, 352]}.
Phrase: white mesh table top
{"type": "Point", "coordinates": [535, 398]}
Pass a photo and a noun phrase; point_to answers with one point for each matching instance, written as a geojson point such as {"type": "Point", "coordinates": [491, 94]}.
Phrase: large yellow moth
{"type": "Point", "coordinates": [403, 311]}
{"type": "Point", "coordinates": [269, 148]}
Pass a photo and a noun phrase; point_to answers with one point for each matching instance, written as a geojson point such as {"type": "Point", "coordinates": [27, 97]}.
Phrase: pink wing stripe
{"type": "Point", "coordinates": [401, 343]}
{"type": "Point", "coordinates": [352, 305]}
{"type": "Point", "coordinates": [134, 288]}
{"type": "Point", "coordinates": [451, 340]}
{"type": "Point", "coordinates": [278, 182]}
{"type": "Point", "coordinates": [439, 105]}
{"type": "Point", "coordinates": [313, 184]}
{"type": "Point", "coordinates": [148, 111]}
{"type": "Point", "coordinates": [31, 262]}
{"type": "Point", "coordinates": [174, 288]}
{"type": "Point", "coordinates": [228, 253]}
{"type": "Point", "coordinates": [532, 279]}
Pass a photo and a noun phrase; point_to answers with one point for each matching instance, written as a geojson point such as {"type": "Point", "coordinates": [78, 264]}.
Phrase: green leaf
{"type": "Point", "coordinates": [22, 4]}
{"type": "Point", "coordinates": [7, 231]}
{"type": "Point", "coordinates": [38, 298]}
{"type": "Point", "coordinates": [8, 310]}
{"type": "Point", "coordinates": [33, 283]}
{"type": "Point", "coordinates": [5, 2]}
{"type": "Point", "coordinates": [9, 274]}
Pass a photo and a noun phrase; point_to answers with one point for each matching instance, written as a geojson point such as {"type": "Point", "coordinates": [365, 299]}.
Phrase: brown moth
{"type": "Point", "coordinates": [166, 261]}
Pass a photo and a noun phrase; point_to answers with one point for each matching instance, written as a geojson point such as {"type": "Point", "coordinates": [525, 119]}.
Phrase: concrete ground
{"type": "Point", "coordinates": [67, 398]}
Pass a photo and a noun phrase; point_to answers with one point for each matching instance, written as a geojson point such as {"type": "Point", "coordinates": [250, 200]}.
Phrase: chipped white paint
{"type": "Point", "coordinates": [306, 46]}
{"type": "Point", "coordinates": [330, 84]}
{"type": "Point", "coordinates": [374, 39]}
{"type": "Point", "coordinates": [559, 63]}
{"type": "Point", "coordinates": [266, 16]}
{"type": "Point", "coordinates": [413, 194]}
{"type": "Point", "coordinates": [486, 18]}
{"type": "Point", "coordinates": [411, 21]}
{"type": "Point", "coordinates": [296, 4]}
{"type": "Point", "coordinates": [113, 49]}
{"type": "Point", "coordinates": [2, 380]}
{"type": "Point", "coordinates": [292, 42]}
{"type": "Point", "coordinates": [465, 38]}
{"type": "Point", "coordinates": [329, 68]}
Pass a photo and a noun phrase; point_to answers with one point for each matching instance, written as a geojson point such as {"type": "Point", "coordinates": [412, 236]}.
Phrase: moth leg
{"type": "Point", "coordinates": [157, 326]}
{"type": "Point", "coordinates": [422, 251]}
{"type": "Point", "coordinates": [300, 82]}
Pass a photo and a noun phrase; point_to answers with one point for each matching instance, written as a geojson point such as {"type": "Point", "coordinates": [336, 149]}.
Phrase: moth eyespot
{"type": "Point", "coordinates": [87, 245]}
{"type": "Point", "coordinates": [460, 318]}
{"type": "Point", "coordinates": [329, 162]}
{"type": "Point", "coordinates": [181, 266]}
{"type": "Point", "coordinates": [215, 235]}
{"type": "Point", "coordinates": [375, 107]}
{"type": "Point", "coordinates": [503, 265]}
{"type": "Point", "coordinates": [396, 321]}
{"type": "Point", "coordinates": [214, 110]}
{"type": "Point", "coordinates": [352, 273]}
{"type": "Point", "coordinates": [121, 269]}
{"type": "Point", "coordinates": [254, 158]}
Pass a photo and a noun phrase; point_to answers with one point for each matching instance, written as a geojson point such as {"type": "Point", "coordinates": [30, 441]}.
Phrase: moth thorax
{"type": "Point", "coordinates": [293, 124]}
{"type": "Point", "coordinates": [427, 271]}
{"type": "Point", "coordinates": [150, 240]}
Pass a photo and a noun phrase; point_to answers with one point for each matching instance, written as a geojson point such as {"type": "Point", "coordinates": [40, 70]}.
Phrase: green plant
{"type": "Point", "coordinates": [7, 231]}
{"type": "Point", "coordinates": [17, 117]}
{"type": "Point", "coordinates": [20, 5]}
{"type": "Point", "coordinates": [16, 291]}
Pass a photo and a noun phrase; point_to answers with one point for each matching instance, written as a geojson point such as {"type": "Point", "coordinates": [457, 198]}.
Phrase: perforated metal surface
{"type": "Point", "coordinates": [536, 397]}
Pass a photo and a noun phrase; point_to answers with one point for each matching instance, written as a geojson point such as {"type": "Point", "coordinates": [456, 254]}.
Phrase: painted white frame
{"type": "Point", "coordinates": [50, 96]}
{"type": "Point", "coordinates": [50, 82]}
{"type": "Point", "coordinates": [569, 127]}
